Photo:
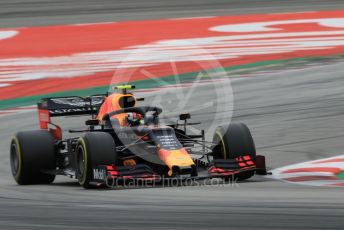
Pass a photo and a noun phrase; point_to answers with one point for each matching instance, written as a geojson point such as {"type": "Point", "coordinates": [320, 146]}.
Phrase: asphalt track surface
{"type": "Point", "coordinates": [294, 115]}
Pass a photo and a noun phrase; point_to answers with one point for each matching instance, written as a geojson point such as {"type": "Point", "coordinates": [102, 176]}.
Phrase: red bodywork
{"type": "Point", "coordinates": [44, 122]}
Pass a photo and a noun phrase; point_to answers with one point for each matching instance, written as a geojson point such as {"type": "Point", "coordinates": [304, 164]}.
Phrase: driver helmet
{"type": "Point", "coordinates": [135, 119]}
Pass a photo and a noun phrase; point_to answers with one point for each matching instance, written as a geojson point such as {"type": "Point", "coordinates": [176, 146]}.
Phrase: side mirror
{"type": "Point", "coordinates": [92, 122]}
{"type": "Point", "coordinates": [184, 116]}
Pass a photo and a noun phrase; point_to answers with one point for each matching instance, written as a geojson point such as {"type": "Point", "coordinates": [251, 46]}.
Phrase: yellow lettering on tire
{"type": "Point", "coordinates": [84, 152]}
{"type": "Point", "coordinates": [223, 144]}
{"type": "Point", "coordinates": [19, 158]}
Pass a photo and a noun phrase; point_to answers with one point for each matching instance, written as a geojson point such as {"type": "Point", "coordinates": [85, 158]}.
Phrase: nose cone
{"type": "Point", "coordinates": [179, 158]}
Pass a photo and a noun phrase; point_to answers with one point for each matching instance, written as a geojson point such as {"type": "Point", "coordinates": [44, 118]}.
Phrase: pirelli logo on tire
{"type": "Point", "coordinates": [99, 174]}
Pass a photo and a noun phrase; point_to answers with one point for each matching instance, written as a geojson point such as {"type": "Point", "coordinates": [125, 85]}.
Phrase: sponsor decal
{"type": "Point", "coordinates": [71, 101]}
{"type": "Point", "coordinates": [99, 174]}
{"type": "Point", "coordinates": [72, 110]}
{"type": "Point", "coordinates": [44, 115]}
{"type": "Point", "coordinates": [78, 101]}
{"type": "Point", "coordinates": [168, 141]}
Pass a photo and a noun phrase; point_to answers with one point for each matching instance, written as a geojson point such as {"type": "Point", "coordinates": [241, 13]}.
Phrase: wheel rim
{"type": "Point", "coordinates": [80, 161]}
{"type": "Point", "coordinates": [14, 160]}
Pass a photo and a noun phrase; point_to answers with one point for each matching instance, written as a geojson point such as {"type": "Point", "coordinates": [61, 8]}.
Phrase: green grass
{"type": "Point", "coordinates": [340, 175]}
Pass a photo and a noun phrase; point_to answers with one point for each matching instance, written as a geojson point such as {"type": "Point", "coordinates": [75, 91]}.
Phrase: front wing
{"type": "Point", "coordinates": [225, 168]}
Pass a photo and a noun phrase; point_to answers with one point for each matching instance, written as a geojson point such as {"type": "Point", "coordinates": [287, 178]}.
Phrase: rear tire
{"type": "Point", "coordinates": [93, 149]}
{"type": "Point", "coordinates": [32, 153]}
{"type": "Point", "coordinates": [233, 141]}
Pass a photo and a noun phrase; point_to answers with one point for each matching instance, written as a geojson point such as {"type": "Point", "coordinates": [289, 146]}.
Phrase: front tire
{"type": "Point", "coordinates": [32, 154]}
{"type": "Point", "coordinates": [93, 149]}
{"type": "Point", "coordinates": [233, 141]}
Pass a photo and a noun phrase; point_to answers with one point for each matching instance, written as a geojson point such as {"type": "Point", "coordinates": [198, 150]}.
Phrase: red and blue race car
{"type": "Point", "coordinates": [125, 141]}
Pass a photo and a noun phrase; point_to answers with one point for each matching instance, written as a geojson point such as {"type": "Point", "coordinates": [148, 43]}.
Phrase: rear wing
{"type": "Point", "coordinates": [64, 106]}
{"type": "Point", "coordinates": [67, 106]}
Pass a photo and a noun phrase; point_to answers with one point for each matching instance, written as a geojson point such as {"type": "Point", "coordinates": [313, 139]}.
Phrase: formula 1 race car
{"type": "Point", "coordinates": [124, 141]}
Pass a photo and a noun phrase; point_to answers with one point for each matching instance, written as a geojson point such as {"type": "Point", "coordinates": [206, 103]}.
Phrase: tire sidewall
{"type": "Point", "coordinates": [35, 152]}
{"type": "Point", "coordinates": [235, 139]}
{"type": "Point", "coordinates": [16, 146]}
{"type": "Point", "coordinates": [98, 148]}
{"type": "Point", "coordinates": [84, 177]}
